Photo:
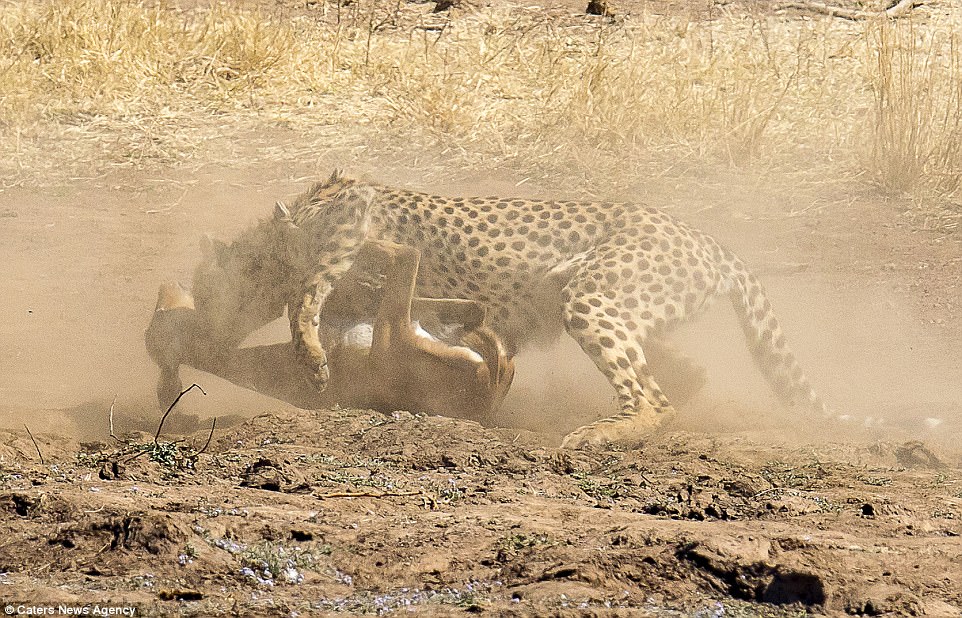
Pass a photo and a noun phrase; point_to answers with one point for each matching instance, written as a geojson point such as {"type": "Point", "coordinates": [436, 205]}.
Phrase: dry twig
{"type": "Point", "coordinates": [366, 494]}
{"type": "Point", "coordinates": [160, 426]}
{"type": "Point", "coordinates": [110, 419]}
{"type": "Point", "coordinates": [35, 445]}
{"type": "Point", "coordinates": [899, 9]}
{"type": "Point", "coordinates": [209, 436]}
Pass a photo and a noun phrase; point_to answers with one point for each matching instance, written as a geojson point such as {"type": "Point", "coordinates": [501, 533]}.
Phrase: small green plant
{"type": "Point", "coordinates": [377, 481]}
{"type": "Point", "coordinates": [825, 505]}
{"type": "Point", "coordinates": [876, 481]}
{"type": "Point", "coordinates": [450, 492]}
{"type": "Point", "coordinates": [268, 563]}
{"type": "Point", "coordinates": [521, 541]}
{"type": "Point", "coordinates": [785, 475]}
{"type": "Point", "coordinates": [609, 491]}
{"type": "Point", "coordinates": [190, 551]}
{"type": "Point", "coordinates": [470, 602]}
{"type": "Point", "coordinates": [188, 555]}
{"type": "Point", "coordinates": [170, 455]}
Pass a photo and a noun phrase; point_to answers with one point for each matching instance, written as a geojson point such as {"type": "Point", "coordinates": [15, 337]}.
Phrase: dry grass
{"type": "Point", "coordinates": [552, 96]}
{"type": "Point", "coordinates": [915, 146]}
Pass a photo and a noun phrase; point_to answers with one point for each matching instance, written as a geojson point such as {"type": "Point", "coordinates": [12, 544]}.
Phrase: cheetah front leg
{"type": "Point", "coordinates": [331, 257]}
{"type": "Point", "coordinates": [305, 314]}
{"type": "Point", "coordinates": [304, 311]}
{"type": "Point", "coordinates": [614, 344]}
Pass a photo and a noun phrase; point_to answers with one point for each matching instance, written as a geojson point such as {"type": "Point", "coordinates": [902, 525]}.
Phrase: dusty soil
{"type": "Point", "coordinates": [734, 508]}
{"type": "Point", "coordinates": [313, 513]}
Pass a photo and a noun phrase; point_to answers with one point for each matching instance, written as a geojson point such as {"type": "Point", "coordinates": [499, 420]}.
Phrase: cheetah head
{"type": "Point", "coordinates": [241, 286]}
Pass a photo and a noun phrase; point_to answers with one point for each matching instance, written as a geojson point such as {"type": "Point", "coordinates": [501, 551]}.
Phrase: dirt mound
{"type": "Point", "coordinates": [357, 512]}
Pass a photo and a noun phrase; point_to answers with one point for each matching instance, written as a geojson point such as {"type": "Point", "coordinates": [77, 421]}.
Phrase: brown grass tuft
{"type": "Point", "coordinates": [561, 97]}
{"type": "Point", "coordinates": [916, 126]}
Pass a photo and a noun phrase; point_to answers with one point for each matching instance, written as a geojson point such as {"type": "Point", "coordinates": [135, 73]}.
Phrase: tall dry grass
{"type": "Point", "coordinates": [553, 95]}
{"type": "Point", "coordinates": [916, 126]}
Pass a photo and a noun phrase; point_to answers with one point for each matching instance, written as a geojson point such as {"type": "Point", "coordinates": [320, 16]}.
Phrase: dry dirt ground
{"type": "Point", "coordinates": [733, 509]}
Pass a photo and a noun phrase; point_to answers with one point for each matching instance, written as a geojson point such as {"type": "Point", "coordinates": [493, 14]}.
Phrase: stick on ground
{"type": "Point", "coordinates": [110, 418]}
{"type": "Point", "coordinates": [209, 436]}
{"type": "Point", "coordinates": [35, 445]}
{"type": "Point", "coordinates": [160, 426]}
{"type": "Point", "coordinates": [896, 10]}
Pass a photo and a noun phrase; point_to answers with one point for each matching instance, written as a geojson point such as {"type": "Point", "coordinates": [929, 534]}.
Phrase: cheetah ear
{"type": "Point", "coordinates": [283, 218]}
{"type": "Point", "coordinates": [283, 214]}
{"type": "Point", "coordinates": [210, 247]}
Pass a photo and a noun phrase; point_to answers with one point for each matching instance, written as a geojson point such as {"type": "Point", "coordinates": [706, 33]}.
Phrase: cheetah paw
{"type": "Point", "coordinates": [315, 364]}
{"type": "Point", "coordinates": [594, 437]}
{"type": "Point", "coordinates": [601, 435]}
{"type": "Point", "coordinates": [584, 440]}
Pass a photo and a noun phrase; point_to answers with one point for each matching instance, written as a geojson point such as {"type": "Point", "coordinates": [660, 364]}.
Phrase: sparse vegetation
{"type": "Point", "coordinates": [514, 543]}
{"type": "Point", "coordinates": [917, 115]}
{"type": "Point", "coordinates": [268, 563]}
{"type": "Point", "coordinates": [449, 493]}
{"type": "Point", "coordinates": [807, 477]}
{"type": "Point", "coordinates": [876, 481]}
{"type": "Point", "coordinates": [608, 490]}
{"type": "Point", "coordinates": [202, 542]}
{"type": "Point", "coordinates": [557, 96]}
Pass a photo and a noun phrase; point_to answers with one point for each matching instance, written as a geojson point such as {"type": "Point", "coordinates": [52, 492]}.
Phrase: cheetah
{"type": "Point", "coordinates": [381, 358]}
{"type": "Point", "coordinates": [615, 276]}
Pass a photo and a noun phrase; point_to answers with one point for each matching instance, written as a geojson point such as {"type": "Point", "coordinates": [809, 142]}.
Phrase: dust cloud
{"type": "Point", "coordinates": [865, 357]}
{"type": "Point", "coordinates": [82, 266]}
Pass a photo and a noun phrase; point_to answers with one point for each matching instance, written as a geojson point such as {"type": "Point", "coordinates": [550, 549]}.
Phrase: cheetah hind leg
{"type": "Point", "coordinates": [638, 417]}
{"type": "Point", "coordinates": [643, 405]}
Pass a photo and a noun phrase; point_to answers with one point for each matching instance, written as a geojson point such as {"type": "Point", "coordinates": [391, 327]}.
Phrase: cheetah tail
{"type": "Point", "coordinates": [766, 342]}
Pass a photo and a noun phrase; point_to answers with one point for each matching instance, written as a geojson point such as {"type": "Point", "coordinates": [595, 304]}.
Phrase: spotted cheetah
{"type": "Point", "coordinates": [616, 276]}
